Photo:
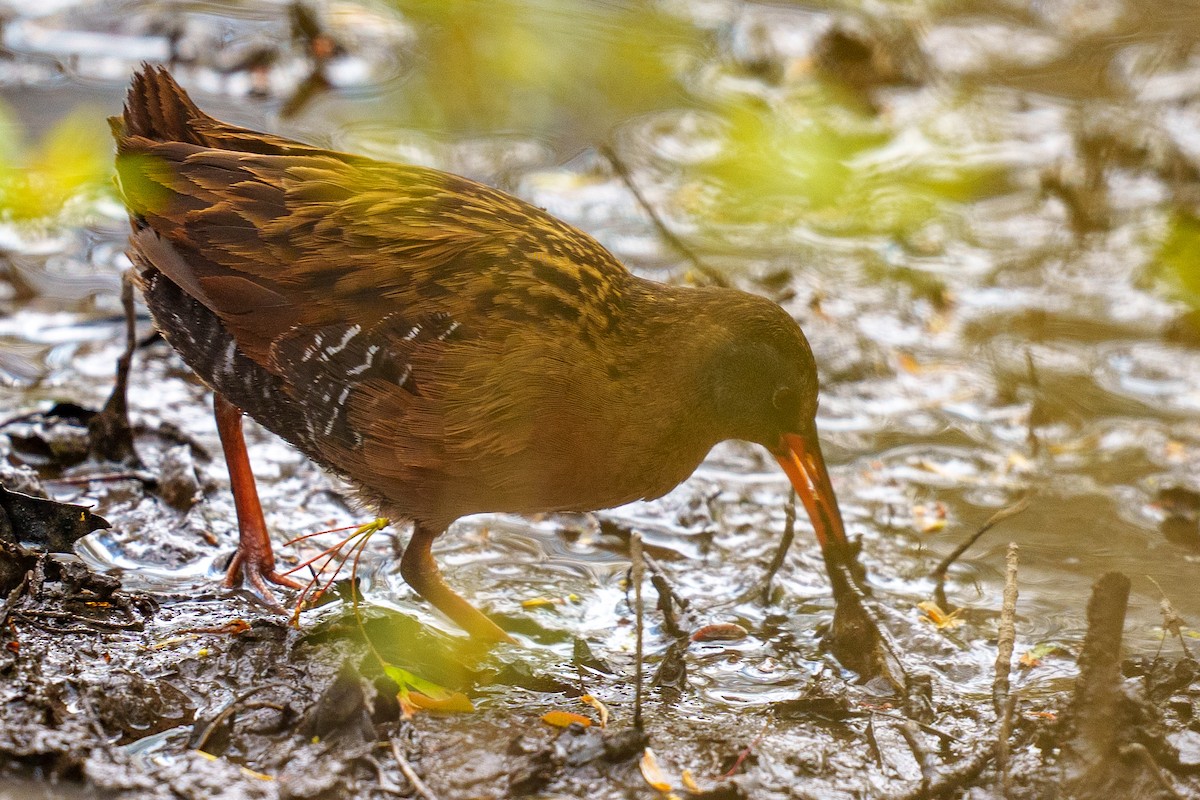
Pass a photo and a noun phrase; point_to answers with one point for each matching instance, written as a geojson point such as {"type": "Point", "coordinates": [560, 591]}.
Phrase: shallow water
{"type": "Point", "coordinates": [978, 262]}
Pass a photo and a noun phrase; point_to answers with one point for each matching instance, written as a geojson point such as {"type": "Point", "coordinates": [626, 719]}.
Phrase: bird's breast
{"type": "Point", "coordinates": [556, 429]}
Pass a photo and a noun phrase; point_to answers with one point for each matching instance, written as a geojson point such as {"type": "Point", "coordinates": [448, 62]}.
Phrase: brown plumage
{"type": "Point", "coordinates": [446, 346]}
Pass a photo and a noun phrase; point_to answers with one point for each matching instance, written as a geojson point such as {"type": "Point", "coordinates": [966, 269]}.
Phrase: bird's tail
{"type": "Point", "coordinates": [158, 109]}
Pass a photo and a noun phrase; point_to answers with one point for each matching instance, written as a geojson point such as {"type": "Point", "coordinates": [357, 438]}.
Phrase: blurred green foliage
{"type": "Point", "coordinates": [818, 160]}
{"type": "Point", "coordinates": [1179, 256]}
{"type": "Point", "coordinates": [74, 158]}
{"type": "Point", "coordinates": [527, 65]}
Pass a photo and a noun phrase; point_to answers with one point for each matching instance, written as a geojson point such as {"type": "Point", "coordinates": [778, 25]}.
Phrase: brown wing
{"type": "Point", "coordinates": [272, 234]}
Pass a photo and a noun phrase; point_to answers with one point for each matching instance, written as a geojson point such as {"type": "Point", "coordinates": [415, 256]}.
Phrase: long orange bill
{"type": "Point", "coordinates": [800, 457]}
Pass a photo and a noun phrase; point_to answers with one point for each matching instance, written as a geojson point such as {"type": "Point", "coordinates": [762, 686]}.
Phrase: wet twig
{"type": "Point", "coordinates": [13, 598]}
{"type": "Point", "coordinates": [939, 572]}
{"type": "Point", "coordinates": [785, 544]}
{"type": "Point", "coordinates": [908, 729]}
{"type": "Point", "coordinates": [747, 750]}
{"type": "Point", "coordinates": [1172, 622]}
{"type": "Point", "coordinates": [618, 165]}
{"type": "Point", "coordinates": [410, 774]}
{"type": "Point", "coordinates": [1002, 745]}
{"type": "Point", "coordinates": [37, 617]}
{"type": "Point", "coordinates": [1138, 751]}
{"type": "Point", "coordinates": [104, 477]}
{"type": "Point", "coordinates": [109, 431]}
{"type": "Point", "coordinates": [954, 780]}
{"type": "Point", "coordinates": [381, 779]}
{"type": "Point", "coordinates": [238, 702]}
{"type": "Point", "coordinates": [667, 606]}
{"type": "Point", "coordinates": [1035, 383]}
{"type": "Point", "coordinates": [1007, 635]}
{"type": "Point", "coordinates": [945, 737]}
{"type": "Point", "coordinates": [873, 742]}
{"type": "Point", "coordinates": [657, 570]}
{"type": "Point", "coordinates": [637, 572]}
{"type": "Point", "coordinates": [668, 599]}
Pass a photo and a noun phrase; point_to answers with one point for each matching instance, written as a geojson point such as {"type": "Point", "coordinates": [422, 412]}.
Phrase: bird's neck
{"type": "Point", "coordinates": [668, 335]}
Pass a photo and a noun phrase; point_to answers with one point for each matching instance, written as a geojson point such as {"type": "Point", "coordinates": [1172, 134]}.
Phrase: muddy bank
{"type": "Point", "coordinates": [110, 691]}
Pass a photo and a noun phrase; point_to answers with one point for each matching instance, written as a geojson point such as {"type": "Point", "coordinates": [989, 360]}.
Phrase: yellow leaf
{"type": "Point", "coordinates": [929, 519]}
{"type": "Point", "coordinates": [1033, 656]}
{"type": "Point", "coordinates": [939, 618]}
{"type": "Point", "coordinates": [456, 702]}
{"type": "Point", "coordinates": [259, 776]}
{"type": "Point", "coordinates": [1179, 255]}
{"type": "Point", "coordinates": [652, 772]}
{"type": "Point", "coordinates": [909, 364]}
{"type": "Point", "coordinates": [563, 719]}
{"type": "Point", "coordinates": [601, 709]}
{"type": "Point", "coordinates": [417, 694]}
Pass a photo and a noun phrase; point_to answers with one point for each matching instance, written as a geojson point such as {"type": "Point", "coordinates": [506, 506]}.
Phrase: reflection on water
{"type": "Point", "coordinates": [969, 232]}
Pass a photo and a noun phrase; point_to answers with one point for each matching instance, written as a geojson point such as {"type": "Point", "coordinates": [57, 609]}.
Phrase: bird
{"type": "Point", "coordinates": [444, 346]}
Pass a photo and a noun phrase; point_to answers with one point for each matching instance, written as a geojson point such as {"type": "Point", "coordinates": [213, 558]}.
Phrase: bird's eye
{"type": "Point", "coordinates": [784, 398]}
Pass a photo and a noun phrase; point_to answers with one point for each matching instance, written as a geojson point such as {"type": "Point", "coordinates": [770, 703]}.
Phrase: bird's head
{"type": "Point", "coordinates": [759, 380]}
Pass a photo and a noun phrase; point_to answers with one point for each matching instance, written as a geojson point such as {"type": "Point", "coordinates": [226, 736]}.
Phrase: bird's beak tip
{"type": "Point", "coordinates": [800, 456]}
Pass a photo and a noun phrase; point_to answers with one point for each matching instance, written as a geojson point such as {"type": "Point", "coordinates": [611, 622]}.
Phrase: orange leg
{"type": "Point", "coordinates": [255, 560]}
{"type": "Point", "coordinates": [421, 572]}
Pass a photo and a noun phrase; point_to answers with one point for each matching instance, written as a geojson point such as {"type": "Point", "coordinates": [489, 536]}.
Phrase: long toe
{"type": "Point", "coordinates": [259, 576]}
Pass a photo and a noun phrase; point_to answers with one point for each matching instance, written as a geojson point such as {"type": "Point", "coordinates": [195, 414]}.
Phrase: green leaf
{"type": "Point", "coordinates": [72, 161]}
{"type": "Point", "coordinates": [1179, 257]}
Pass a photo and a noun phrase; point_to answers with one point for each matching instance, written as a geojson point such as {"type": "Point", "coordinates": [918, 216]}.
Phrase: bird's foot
{"type": "Point", "coordinates": [258, 570]}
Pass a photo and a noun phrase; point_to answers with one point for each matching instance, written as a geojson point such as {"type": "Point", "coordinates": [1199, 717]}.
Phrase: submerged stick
{"type": "Point", "coordinates": [1007, 635]}
{"type": "Point", "coordinates": [950, 781]}
{"type": "Point", "coordinates": [666, 233]}
{"type": "Point", "coordinates": [939, 572]}
{"type": "Point", "coordinates": [1031, 437]}
{"type": "Point", "coordinates": [1002, 745]}
{"type": "Point", "coordinates": [909, 730]}
{"type": "Point", "coordinates": [785, 544]}
{"type": "Point", "coordinates": [110, 433]}
{"type": "Point", "coordinates": [1172, 622]}
{"type": "Point", "coordinates": [637, 572]}
{"type": "Point", "coordinates": [410, 774]}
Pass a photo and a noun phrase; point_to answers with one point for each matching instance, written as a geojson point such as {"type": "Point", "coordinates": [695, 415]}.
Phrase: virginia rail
{"type": "Point", "coordinates": [447, 347]}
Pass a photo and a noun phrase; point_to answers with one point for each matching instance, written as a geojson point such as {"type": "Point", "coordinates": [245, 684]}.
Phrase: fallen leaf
{"type": "Point", "coordinates": [652, 772]}
{"type": "Point", "coordinates": [543, 602]}
{"type": "Point", "coordinates": [1033, 656]}
{"type": "Point", "coordinates": [909, 364]}
{"type": "Point", "coordinates": [417, 694]}
{"type": "Point", "coordinates": [249, 773]}
{"type": "Point", "coordinates": [601, 709]}
{"type": "Point", "coordinates": [454, 702]}
{"type": "Point", "coordinates": [929, 520]}
{"type": "Point", "coordinates": [564, 719]}
{"type": "Point", "coordinates": [232, 628]}
{"type": "Point", "coordinates": [721, 632]}
{"type": "Point", "coordinates": [939, 618]}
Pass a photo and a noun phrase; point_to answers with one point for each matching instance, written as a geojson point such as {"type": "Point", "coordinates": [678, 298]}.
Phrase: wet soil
{"type": "Point", "coordinates": [1001, 288]}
